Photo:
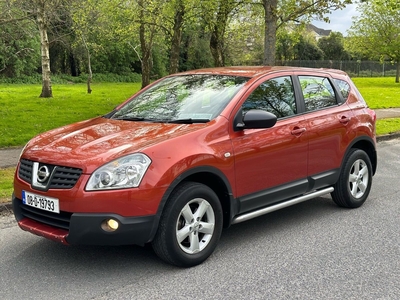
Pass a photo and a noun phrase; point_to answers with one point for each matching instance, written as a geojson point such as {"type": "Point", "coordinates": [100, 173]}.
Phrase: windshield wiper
{"type": "Point", "coordinates": [188, 121]}
{"type": "Point", "coordinates": [130, 118]}
{"type": "Point", "coordinates": [176, 121]}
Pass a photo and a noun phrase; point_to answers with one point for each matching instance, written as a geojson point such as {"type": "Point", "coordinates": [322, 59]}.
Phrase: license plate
{"type": "Point", "coordinates": [41, 202]}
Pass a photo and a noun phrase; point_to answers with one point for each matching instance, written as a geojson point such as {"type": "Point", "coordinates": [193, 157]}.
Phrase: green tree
{"type": "Point", "coordinates": [376, 32]}
{"type": "Point", "coordinates": [134, 24]}
{"type": "Point", "coordinates": [176, 15]}
{"type": "Point", "coordinates": [306, 49]}
{"type": "Point", "coordinates": [43, 13]}
{"type": "Point", "coordinates": [243, 37]}
{"type": "Point", "coordinates": [179, 10]}
{"type": "Point", "coordinates": [89, 18]}
{"type": "Point", "coordinates": [287, 40]}
{"type": "Point", "coordinates": [18, 43]}
{"type": "Point", "coordinates": [218, 26]}
{"type": "Point", "coordinates": [279, 12]}
{"type": "Point", "coordinates": [333, 46]}
{"type": "Point", "coordinates": [195, 50]}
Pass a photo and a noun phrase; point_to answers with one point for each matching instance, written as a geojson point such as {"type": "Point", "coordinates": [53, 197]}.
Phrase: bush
{"type": "Point", "coordinates": [62, 78]}
{"type": "Point", "coordinates": [110, 77]}
{"type": "Point", "coordinates": [23, 79]}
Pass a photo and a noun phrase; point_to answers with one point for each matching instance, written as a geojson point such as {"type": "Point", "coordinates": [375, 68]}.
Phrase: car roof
{"type": "Point", "coordinates": [255, 71]}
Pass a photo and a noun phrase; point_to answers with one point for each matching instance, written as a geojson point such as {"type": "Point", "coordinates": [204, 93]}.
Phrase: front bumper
{"type": "Point", "coordinates": [84, 228]}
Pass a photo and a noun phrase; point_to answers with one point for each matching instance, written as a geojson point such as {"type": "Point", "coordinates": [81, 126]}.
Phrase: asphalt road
{"type": "Point", "coordinates": [314, 250]}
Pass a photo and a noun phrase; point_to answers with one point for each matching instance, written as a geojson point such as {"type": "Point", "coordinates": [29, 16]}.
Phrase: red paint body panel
{"type": "Point", "coordinates": [165, 146]}
{"type": "Point", "coordinates": [51, 233]}
{"type": "Point", "coordinates": [265, 158]}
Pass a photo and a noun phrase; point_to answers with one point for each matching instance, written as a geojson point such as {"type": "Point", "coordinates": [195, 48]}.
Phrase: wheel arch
{"type": "Point", "coordinates": [368, 145]}
{"type": "Point", "coordinates": [211, 177]}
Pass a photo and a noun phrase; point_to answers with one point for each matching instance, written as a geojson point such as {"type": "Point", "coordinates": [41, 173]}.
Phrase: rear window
{"type": "Point", "coordinates": [318, 92]}
{"type": "Point", "coordinates": [344, 88]}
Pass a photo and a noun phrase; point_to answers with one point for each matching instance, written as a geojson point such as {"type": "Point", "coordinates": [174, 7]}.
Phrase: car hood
{"type": "Point", "coordinates": [92, 143]}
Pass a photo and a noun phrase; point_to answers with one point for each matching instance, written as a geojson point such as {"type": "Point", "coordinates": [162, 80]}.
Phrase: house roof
{"type": "Point", "coordinates": [318, 31]}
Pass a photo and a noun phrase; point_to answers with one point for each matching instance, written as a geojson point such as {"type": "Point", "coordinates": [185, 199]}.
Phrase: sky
{"type": "Point", "coordinates": [341, 20]}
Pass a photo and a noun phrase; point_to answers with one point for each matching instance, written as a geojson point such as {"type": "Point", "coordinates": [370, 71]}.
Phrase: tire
{"type": "Point", "coordinates": [187, 235]}
{"type": "Point", "coordinates": [355, 180]}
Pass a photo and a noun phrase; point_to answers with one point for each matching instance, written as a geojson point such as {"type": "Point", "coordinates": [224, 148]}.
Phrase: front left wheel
{"type": "Point", "coordinates": [190, 226]}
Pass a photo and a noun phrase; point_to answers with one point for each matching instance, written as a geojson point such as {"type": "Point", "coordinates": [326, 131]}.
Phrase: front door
{"type": "Point", "coordinates": [271, 163]}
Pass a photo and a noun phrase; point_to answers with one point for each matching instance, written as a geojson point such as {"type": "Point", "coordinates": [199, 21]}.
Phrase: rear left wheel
{"type": "Point", "coordinates": [190, 226]}
{"type": "Point", "coordinates": [354, 184]}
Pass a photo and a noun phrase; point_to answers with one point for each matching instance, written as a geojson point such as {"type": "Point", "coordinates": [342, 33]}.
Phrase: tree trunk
{"type": "Point", "coordinates": [44, 48]}
{"type": "Point", "coordinates": [146, 44]}
{"type": "Point", "coordinates": [89, 80]}
{"type": "Point", "coordinates": [270, 7]}
{"type": "Point", "coordinates": [218, 32]}
{"type": "Point", "coordinates": [146, 50]}
{"type": "Point", "coordinates": [176, 39]}
{"type": "Point", "coordinates": [216, 47]}
{"type": "Point", "coordinates": [398, 71]}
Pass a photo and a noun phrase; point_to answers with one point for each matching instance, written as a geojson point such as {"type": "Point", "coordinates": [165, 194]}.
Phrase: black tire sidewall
{"type": "Point", "coordinates": [355, 155]}
{"type": "Point", "coordinates": [184, 194]}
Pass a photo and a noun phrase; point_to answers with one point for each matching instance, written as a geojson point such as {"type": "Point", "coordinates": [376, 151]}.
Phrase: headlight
{"type": "Point", "coordinates": [124, 172]}
{"type": "Point", "coordinates": [22, 151]}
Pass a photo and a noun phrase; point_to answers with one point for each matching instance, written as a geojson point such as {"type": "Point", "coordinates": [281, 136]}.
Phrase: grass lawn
{"type": "Point", "coordinates": [379, 92]}
{"type": "Point", "coordinates": [23, 114]}
{"type": "Point", "coordinates": [6, 188]}
{"type": "Point", "coordinates": [387, 126]}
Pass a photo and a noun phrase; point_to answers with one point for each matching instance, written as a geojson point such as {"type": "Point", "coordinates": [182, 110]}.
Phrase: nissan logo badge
{"type": "Point", "coordinates": [43, 174]}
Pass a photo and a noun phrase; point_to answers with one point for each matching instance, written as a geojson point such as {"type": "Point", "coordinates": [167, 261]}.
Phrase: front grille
{"type": "Point", "coordinates": [25, 170]}
{"type": "Point", "coordinates": [61, 177]}
{"type": "Point", "coordinates": [64, 177]}
{"type": "Point", "coordinates": [60, 220]}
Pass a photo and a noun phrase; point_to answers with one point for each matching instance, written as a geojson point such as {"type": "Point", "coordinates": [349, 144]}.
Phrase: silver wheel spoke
{"type": "Point", "coordinates": [194, 242]}
{"type": "Point", "coordinates": [354, 190]}
{"type": "Point", "coordinates": [356, 167]}
{"type": "Point", "coordinates": [207, 228]}
{"type": "Point", "coordinates": [352, 178]}
{"type": "Point", "coordinates": [362, 186]}
{"type": "Point", "coordinates": [198, 215]}
{"type": "Point", "coordinates": [364, 171]}
{"type": "Point", "coordinates": [183, 233]}
{"type": "Point", "coordinates": [187, 214]}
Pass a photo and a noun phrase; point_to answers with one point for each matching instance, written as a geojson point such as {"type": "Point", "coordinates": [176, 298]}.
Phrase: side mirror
{"type": "Point", "coordinates": [256, 119]}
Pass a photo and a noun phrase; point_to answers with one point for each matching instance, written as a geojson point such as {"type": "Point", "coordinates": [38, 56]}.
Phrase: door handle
{"type": "Point", "coordinates": [298, 131]}
{"type": "Point", "coordinates": [344, 120]}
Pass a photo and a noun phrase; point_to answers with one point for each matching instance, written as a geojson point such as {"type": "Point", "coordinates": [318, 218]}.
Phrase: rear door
{"type": "Point", "coordinates": [328, 120]}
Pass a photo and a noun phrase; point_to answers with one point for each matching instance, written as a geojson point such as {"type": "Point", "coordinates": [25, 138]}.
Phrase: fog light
{"type": "Point", "coordinates": [110, 225]}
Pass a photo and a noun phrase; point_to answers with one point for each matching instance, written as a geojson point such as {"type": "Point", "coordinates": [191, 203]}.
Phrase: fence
{"type": "Point", "coordinates": [353, 68]}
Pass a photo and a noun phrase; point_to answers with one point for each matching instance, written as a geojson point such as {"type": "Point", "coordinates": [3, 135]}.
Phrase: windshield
{"type": "Point", "coordinates": [185, 98]}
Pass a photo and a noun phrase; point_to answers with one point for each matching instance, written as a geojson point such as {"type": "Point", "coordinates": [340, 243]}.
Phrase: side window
{"type": "Point", "coordinates": [318, 92]}
{"type": "Point", "coordinates": [344, 88]}
{"type": "Point", "coordinates": [275, 96]}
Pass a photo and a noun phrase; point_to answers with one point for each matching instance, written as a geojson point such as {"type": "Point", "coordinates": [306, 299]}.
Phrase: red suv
{"type": "Point", "coordinates": [195, 152]}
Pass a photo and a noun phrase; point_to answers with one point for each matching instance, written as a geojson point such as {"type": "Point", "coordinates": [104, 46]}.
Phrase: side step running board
{"type": "Point", "coordinates": [281, 205]}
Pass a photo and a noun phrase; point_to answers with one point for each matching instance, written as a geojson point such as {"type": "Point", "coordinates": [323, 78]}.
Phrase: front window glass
{"type": "Point", "coordinates": [275, 96]}
{"type": "Point", "coordinates": [186, 98]}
